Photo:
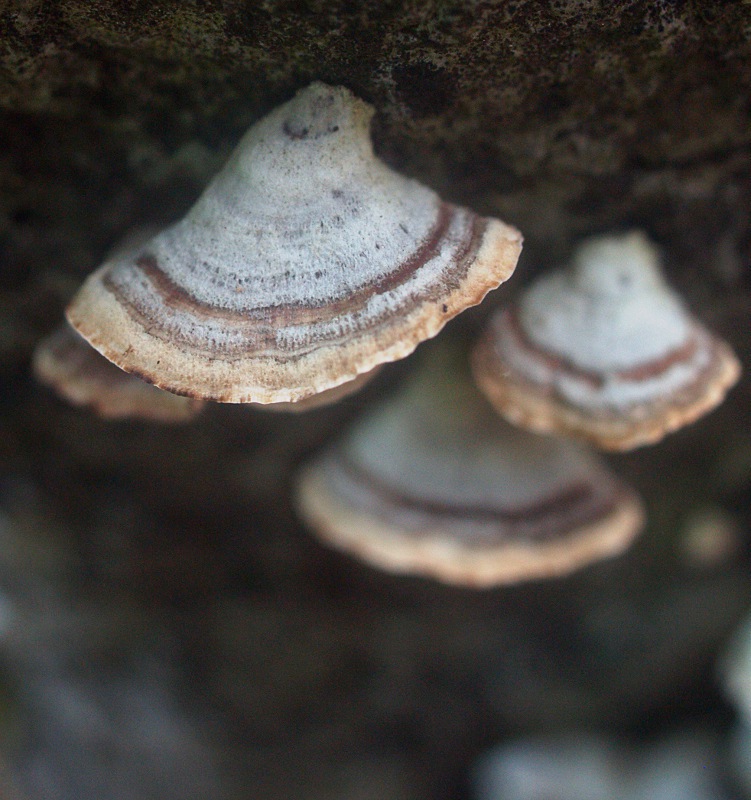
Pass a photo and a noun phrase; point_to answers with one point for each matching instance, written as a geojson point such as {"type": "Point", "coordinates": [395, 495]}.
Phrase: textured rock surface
{"type": "Point", "coordinates": [565, 119]}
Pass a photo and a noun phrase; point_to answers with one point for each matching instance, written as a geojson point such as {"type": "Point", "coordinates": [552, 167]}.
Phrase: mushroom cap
{"type": "Point", "coordinates": [325, 398]}
{"type": "Point", "coordinates": [76, 372]}
{"type": "Point", "coordinates": [434, 483]}
{"type": "Point", "coordinates": [605, 352]}
{"type": "Point", "coordinates": [305, 263]}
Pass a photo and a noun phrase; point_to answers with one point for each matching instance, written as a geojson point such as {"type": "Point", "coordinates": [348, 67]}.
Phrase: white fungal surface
{"type": "Point", "coordinates": [434, 483]}
{"type": "Point", "coordinates": [611, 311]}
{"type": "Point", "coordinates": [442, 444]}
{"type": "Point", "coordinates": [611, 389]}
{"type": "Point", "coordinates": [306, 262]}
{"type": "Point", "coordinates": [604, 351]}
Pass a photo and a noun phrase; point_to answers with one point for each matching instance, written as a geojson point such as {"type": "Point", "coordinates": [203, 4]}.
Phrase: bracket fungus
{"type": "Point", "coordinates": [305, 263]}
{"type": "Point", "coordinates": [76, 372]}
{"type": "Point", "coordinates": [434, 483]}
{"type": "Point", "coordinates": [605, 351]}
{"type": "Point", "coordinates": [327, 397]}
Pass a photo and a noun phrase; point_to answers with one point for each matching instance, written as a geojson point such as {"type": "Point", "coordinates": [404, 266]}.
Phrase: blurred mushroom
{"type": "Point", "coordinates": [584, 765]}
{"type": "Point", "coordinates": [434, 483]}
{"type": "Point", "coordinates": [734, 675]}
{"type": "Point", "coordinates": [305, 263]}
{"type": "Point", "coordinates": [605, 352]}
{"type": "Point", "coordinates": [76, 372]}
{"type": "Point", "coordinates": [734, 670]}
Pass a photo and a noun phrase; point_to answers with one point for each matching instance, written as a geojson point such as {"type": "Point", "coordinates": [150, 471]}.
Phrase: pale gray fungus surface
{"type": "Point", "coordinates": [434, 483]}
{"type": "Point", "coordinates": [605, 351]}
{"type": "Point", "coordinates": [305, 263]}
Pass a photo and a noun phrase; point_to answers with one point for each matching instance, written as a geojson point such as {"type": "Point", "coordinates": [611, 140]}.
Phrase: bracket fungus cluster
{"type": "Point", "coordinates": [605, 351]}
{"type": "Point", "coordinates": [305, 263]}
{"type": "Point", "coordinates": [434, 483]}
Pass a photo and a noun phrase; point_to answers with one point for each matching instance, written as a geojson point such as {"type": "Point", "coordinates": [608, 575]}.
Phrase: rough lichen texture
{"type": "Point", "coordinates": [564, 118]}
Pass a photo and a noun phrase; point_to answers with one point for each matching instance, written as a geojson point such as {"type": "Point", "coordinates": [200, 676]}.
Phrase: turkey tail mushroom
{"type": "Point", "coordinates": [306, 263]}
{"type": "Point", "coordinates": [434, 483]}
{"type": "Point", "coordinates": [605, 352]}
{"type": "Point", "coordinates": [70, 366]}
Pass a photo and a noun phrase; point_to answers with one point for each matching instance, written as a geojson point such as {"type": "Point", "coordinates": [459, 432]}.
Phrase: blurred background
{"type": "Point", "coordinates": [168, 629]}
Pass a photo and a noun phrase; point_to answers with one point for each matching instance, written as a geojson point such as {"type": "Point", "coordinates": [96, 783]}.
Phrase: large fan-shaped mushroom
{"type": "Point", "coordinates": [306, 263]}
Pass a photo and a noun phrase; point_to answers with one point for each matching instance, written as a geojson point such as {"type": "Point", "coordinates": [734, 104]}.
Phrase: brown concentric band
{"type": "Point", "coordinates": [562, 512]}
{"type": "Point", "coordinates": [259, 325]}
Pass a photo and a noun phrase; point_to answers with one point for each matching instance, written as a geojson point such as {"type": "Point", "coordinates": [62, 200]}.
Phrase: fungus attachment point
{"type": "Point", "coordinates": [306, 263]}
{"type": "Point", "coordinates": [434, 483]}
{"type": "Point", "coordinates": [76, 372]}
{"type": "Point", "coordinates": [605, 352]}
